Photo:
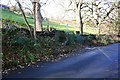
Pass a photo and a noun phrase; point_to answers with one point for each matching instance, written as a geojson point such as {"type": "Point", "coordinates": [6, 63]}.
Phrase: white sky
{"type": "Point", "coordinates": [52, 9]}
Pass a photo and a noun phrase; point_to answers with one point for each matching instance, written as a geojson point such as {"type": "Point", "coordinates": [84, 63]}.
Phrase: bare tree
{"type": "Point", "coordinates": [78, 6]}
{"type": "Point", "coordinates": [99, 13]}
{"type": "Point", "coordinates": [24, 17]}
{"type": "Point", "coordinates": [78, 10]}
{"type": "Point", "coordinates": [118, 7]}
{"type": "Point", "coordinates": [37, 15]}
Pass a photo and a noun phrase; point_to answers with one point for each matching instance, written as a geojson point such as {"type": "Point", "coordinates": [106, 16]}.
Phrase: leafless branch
{"type": "Point", "coordinates": [29, 27]}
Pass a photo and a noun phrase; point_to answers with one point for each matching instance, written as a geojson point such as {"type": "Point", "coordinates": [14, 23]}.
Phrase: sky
{"type": "Point", "coordinates": [51, 9]}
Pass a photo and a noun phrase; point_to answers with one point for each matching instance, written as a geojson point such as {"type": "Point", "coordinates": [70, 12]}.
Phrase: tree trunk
{"type": "Point", "coordinates": [39, 17]}
{"type": "Point", "coordinates": [79, 21]}
{"type": "Point", "coordinates": [34, 13]}
{"type": "Point", "coordinates": [24, 17]}
{"type": "Point", "coordinates": [118, 18]}
{"type": "Point", "coordinates": [98, 26]}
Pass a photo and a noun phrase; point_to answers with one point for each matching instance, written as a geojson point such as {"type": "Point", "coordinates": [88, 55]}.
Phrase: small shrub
{"type": "Point", "coordinates": [85, 39]}
{"type": "Point", "coordinates": [79, 39]}
{"type": "Point", "coordinates": [70, 39]}
{"type": "Point", "coordinates": [60, 36]}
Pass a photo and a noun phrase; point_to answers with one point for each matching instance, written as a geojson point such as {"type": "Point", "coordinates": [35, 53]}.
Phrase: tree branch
{"type": "Point", "coordinates": [24, 17]}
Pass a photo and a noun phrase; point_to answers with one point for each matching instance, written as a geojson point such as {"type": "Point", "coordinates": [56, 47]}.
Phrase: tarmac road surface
{"type": "Point", "coordinates": [98, 63]}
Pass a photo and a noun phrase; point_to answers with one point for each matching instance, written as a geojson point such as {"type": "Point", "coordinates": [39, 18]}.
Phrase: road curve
{"type": "Point", "coordinates": [98, 63]}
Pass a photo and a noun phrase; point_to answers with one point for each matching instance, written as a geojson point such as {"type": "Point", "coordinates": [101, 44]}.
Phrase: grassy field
{"type": "Point", "coordinates": [8, 15]}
